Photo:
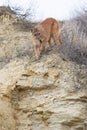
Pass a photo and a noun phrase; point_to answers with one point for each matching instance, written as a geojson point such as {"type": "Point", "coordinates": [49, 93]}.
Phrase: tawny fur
{"type": "Point", "coordinates": [42, 34]}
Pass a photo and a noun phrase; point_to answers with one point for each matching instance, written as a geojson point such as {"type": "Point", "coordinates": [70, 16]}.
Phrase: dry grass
{"type": "Point", "coordinates": [74, 39]}
{"type": "Point", "coordinates": [23, 24]}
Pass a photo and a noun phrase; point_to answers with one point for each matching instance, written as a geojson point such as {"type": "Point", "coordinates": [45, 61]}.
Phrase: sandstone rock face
{"type": "Point", "coordinates": [50, 94]}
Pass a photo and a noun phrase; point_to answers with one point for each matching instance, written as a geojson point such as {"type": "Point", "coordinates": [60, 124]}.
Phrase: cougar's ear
{"type": "Point", "coordinates": [33, 30]}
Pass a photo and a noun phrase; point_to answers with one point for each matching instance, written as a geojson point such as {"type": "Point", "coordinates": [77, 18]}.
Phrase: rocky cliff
{"type": "Point", "coordinates": [47, 94]}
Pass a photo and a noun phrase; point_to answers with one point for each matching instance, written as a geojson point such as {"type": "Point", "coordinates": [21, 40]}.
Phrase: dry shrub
{"type": "Point", "coordinates": [6, 10]}
{"type": "Point", "coordinates": [74, 39]}
{"type": "Point", "coordinates": [82, 18]}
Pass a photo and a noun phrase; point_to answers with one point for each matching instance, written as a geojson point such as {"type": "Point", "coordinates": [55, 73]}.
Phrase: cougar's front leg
{"type": "Point", "coordinates": [43, 46]}
{"type": "Point", "coordinates": [37, 51]}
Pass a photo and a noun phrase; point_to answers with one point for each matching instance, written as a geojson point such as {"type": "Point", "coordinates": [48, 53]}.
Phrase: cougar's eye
{"type": "Point", "coordinates": [40, 41]}
{"type": "Point", "coordinates": [38, 33]}
{"type": "Point", "coordinates": [35, 34]}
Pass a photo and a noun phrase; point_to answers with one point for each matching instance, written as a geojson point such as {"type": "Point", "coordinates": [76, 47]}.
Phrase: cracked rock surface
{"type": "Point", "coordinates": [50, 94]}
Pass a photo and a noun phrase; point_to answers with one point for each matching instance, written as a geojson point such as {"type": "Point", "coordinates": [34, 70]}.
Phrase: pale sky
{"type": "Point", "coordinates": [59, 9]}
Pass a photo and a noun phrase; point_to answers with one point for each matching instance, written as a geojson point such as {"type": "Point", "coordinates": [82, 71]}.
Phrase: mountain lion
{"type": "Point", "coordinates": [42, 34]}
